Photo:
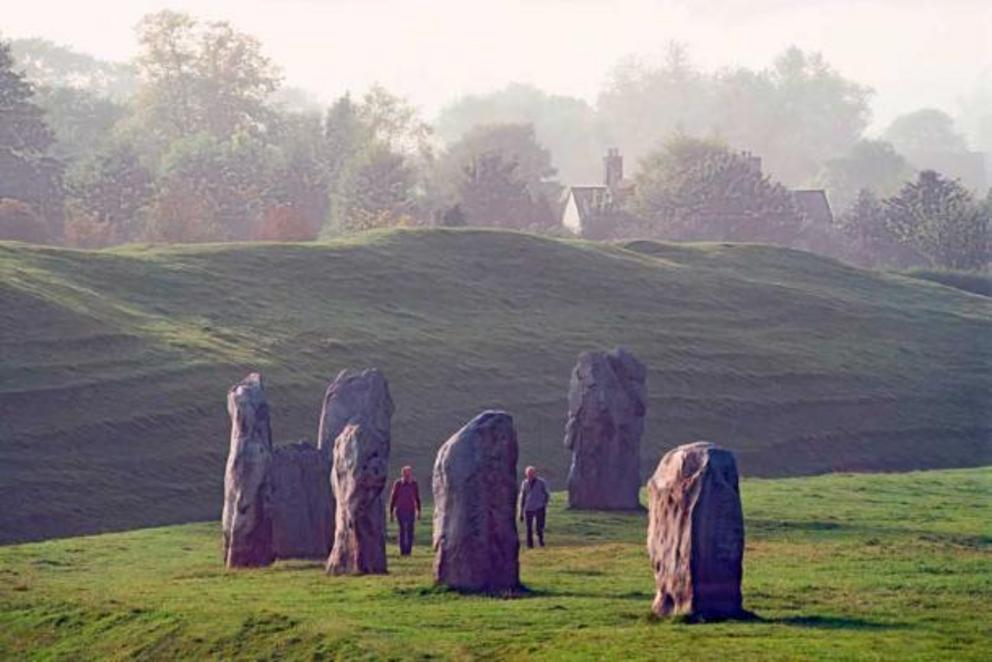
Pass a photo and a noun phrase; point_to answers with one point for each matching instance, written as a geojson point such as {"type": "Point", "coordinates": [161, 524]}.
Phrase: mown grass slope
{"type": "Point", "coordinates": [114, 364]}
{"type": "Point", "coordinates": [895, 566]}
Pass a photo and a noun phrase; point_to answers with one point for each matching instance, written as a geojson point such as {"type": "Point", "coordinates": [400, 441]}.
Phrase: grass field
{"type": "Point", "coordinates": [976, 283]}
{"type": "Point", "coordinates": [884, 566]}
{"type": "Point", "coordinates": [114, 364]}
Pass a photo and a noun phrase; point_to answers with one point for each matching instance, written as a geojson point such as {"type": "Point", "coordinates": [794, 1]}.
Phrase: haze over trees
{"type": "Point", "coordinates": [197, 139]}
{"type": "Point", "coordinates": [499, 175]}
{"type": "Point", "coordinates": [699, 190]}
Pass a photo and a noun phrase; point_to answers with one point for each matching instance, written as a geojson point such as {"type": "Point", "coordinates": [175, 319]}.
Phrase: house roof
{"type": "Point", "coordinates": [590, 201]}
{"type": "Point", "coordinates": [599, 212]}
{"type": "Point", "coordinates": [814, 205]}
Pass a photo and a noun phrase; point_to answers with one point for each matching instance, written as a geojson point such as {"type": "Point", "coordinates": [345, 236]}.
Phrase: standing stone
{"type": "Point", "coordinates": [354, 397]}
{"type": "Point", "coordinates": [302, 516]}
{"type": "Point", "coordinates": [247, 517]}
{"type": "Point", "coordinates": [355, 426]}
{"type": "Point", "coordinates": [606, 407]}
{"type": "Point", "coordinates": [696, 533]}
{"type": "Point", "coordinates": [476, 548]}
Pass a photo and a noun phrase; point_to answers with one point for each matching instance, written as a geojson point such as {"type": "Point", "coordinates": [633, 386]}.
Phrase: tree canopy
{"type": "Point", "coordinates": [693, 189]}
{"type": "Point", "coordinates": [925, 130]}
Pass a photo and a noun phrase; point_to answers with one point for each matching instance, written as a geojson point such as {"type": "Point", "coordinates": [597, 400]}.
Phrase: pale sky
{"type": "Point", "coordinates": [914, 53]}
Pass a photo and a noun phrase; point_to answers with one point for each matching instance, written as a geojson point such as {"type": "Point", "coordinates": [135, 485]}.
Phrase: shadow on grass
{"type": "Point", "coordinates": [812, 622]}
{"type": "Point", "coordinates": [641, 596]}
{"type": "Point", "coordinates": [832, 623]}
{"type": "Point", "coordinates": [770, 527]}
{"type": "Point", "coordinates": [440, 589]}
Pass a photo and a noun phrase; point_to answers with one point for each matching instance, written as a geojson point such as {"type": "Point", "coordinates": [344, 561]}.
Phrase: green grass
{"type": "Point", "coordinates": [885, 566]}
{"type": "Point", "coordinates": [114, 364]}
{"type": "Point", "coordinates": [968, 281]}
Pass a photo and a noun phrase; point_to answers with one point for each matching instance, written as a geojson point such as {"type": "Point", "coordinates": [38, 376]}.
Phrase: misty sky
{"type": "Point", "coordinates": [912, 52]}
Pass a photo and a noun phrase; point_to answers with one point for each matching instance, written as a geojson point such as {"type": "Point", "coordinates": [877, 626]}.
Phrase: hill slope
{"type": "Point", "coordinates": [837, 567]}
{"type": "Point", "coordinates": [114, 364]}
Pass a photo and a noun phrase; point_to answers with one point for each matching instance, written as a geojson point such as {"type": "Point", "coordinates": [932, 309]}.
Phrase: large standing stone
{"type": "Point", "coordinates": [476, 548]}
{"type": "Point", "coordinates": [355, 423]}
{"type": "Point", "coordinates": [302, 515]}
{"type": "Point", "coordinates": [606, 407]}
{"type": "Point", "coordinates": [247, 517]}
{"type": "Point", "coordinates": [354, 397]}
{"type": "Point", "coordinates": [696, 533]}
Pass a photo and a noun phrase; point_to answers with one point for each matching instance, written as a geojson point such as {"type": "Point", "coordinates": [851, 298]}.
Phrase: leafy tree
{"type": "Point", "coordinates": [516, 143]}
{"type": "Point", "coordinates": [51, 66]}
{"type": "Point", "coordinates": [394, 123]}
{"type": "Point", "coordinates": [303, 172]}
{"type": "Point", "coordinates": [871, 165]}
{"type": "Point", "coordinates": [111, 189]}
{"type": "Point", "coordinates": [692, 189]}
{"type": "Point", "coordinates": [211, 190]}
{"type": "Point", "coordinates": [500, 175]}
{"type": "Point", "coordinates": [939, 218]}
{"type": "Point", "coordinates": [925, 130]}
{"type": "Point", "coordinates": [870, 241]}
{"type": "Point", "coordinates": [641, 104]}
{"type": "Point", "coordinates": [378, 156]}
{"type": "Point", "coordinates": [345, 134]}
{"type": "Point", "coordinates": [795, 114]}
{"type": "Point", "coordinates": [27, 172]}
{"type": "Point", "coordinates": [285, 223]}
{"type": "Point", "coordinates": [201, 78]}
{"type": "Point", "coordinates": [19, 222]}
{"type": "Point", "coordinates": [377, 191]}
{"type": "Point", "coordinates": [492, 193]}
{"type": "Point", "coordinates": [83, 123]}
{"type": "Point", "coordinates": [568, 127]}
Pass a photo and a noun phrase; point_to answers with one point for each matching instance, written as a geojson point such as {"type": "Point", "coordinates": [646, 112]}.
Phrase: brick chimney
{"type": "Point", "coordinates": [612, 167]}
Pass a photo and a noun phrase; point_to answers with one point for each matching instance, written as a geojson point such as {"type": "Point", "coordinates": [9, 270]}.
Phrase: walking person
{"type": "Point", "coordinates": [404, 505]}
{"type": "Point", "coordinates": [534, 496]}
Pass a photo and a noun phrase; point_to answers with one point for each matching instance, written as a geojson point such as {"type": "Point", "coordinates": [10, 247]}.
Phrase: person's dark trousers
{"type": "Point", "coordinates": [406, 532]}
{"type": "Point", "coordinates": [535, 517]}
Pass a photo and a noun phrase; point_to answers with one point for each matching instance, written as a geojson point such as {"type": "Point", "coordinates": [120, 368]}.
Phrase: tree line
{"type": "Point", "coordinates": [197, 139]}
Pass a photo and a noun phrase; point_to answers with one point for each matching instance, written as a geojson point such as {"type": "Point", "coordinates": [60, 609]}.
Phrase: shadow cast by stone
{"type": "Point", "coordinates": [743, 616]}
{"type": "Point", "coordinates": [833, 623]}
{"type": "Point", "coordinates": [442, 589]}
{"type": "Point", "coordinates": [638, 596]}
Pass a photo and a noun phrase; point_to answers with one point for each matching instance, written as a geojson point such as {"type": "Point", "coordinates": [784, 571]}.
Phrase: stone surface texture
{"type": "Point", "coordinates": [696, 533]}
{"type": "Point", "coordinates": [355, 423]}
{"type": "Point", "coordinates": [302, 515]}
{"type": "Point", "coordinates": [606, 408]}
{"type": "Point", "coordinates": [476, 548]}
{"type": "Point", "coordinates": [247, 514]}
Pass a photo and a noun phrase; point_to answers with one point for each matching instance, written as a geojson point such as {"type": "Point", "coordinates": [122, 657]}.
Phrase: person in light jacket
{"type": "Point", "coordinates": [534, 496]}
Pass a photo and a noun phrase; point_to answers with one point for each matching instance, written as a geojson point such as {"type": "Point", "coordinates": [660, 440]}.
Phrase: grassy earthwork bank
{"type": "Point", "coordinates": [114, 364]}
{"type": "Point", "coordinates": [844, 566]}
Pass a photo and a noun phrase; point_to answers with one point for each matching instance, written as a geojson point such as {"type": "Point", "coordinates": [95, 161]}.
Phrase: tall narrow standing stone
{"type": "Point", "coordinates": [302, 516]}
{"type": "Point", "coordinates": [476, 548]}
{"type": "Point", "coordinates": [696, 533]}
{"type": "Point", "coordinates": [247, 516]}
{"type": "Point", "coordinates": [355, 427]}
{"type": "Point", "coordinates": [606, 407]}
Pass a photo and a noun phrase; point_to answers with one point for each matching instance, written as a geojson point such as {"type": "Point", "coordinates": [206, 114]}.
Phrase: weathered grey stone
{"type": "Point", "coordinates": [355, 427]}
{"type": "Point", "coordinates": [354, 397]}
{"type": "Point", "coordinates": [476, 548]}
{"type": "Point", "coordinates": [696, 533]}
{"type": "Point", "coordinates": [302, 517]}
{"type": "Point", "coordinates": [247, 515]}
{"type": "Point", "coordinates": [606, 407]}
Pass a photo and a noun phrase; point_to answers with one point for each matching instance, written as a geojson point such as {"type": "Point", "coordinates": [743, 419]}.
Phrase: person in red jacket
{"type": "Point", "coordinates": [404, 505]}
